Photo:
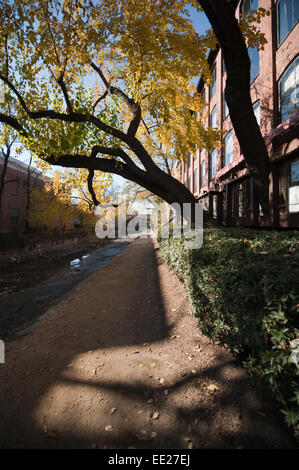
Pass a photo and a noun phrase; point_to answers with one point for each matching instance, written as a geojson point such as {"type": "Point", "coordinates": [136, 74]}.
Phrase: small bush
{"type": "Point", "coordinates": [243, 284]}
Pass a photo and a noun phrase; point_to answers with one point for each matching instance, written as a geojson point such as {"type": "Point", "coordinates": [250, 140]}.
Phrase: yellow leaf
{"type": "Point", "coordinates": [212, 388]}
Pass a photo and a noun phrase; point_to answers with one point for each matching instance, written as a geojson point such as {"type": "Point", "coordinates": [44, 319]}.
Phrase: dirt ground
{"type": "Point", "coordinates": [120, 363]}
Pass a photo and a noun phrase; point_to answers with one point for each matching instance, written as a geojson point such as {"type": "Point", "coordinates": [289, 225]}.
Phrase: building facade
{"type": "Point", "coordinates": [18, 180]}
{"type": "Point", "coordinates": [220, 178]}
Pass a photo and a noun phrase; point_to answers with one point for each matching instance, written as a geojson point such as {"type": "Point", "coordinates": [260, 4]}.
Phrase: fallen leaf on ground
{"type": "Point", "coordinates": [113, 410]}
{"type": "Point", "coordinates": [165, 392]}
{"type": "Point", "coordinates": [173, 337]}
{"type": "Point", "coordinates": [145, 344]}
{"type": "Point", "coordinates": [135, 352]}
{"type": "Point", "coordinates": [108, 428]}
{"type": "Point", "coordinates": [190, 445]}
{"type": "Point", "coordinates": [153, 364]}
{"type": "Point", "coordinates": [53, 435]}
{"type": "Point", "coordinates": [155, 415]}
{"type": "Point", "coordinates": [196, 421]}
{"type": "Point", "coordinates": [153, 435]}
{"type": "Point", "coordinates": [161, 381]}
{"type": "Point", "coordinates": [150, 400]}
{"type": "Point", "coordinates": [140, 365]}
{"type": "Point", "coordinates": [212, 388]}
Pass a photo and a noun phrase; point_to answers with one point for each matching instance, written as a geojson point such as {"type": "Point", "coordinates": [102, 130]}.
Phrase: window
{"type": "Point", "coordinates": [186, 175]}
{"type": "Point", "coordinates": [202, 173]}
{"type": "Point", "coordinates": [14, 216]}
{"type": "Point", "coordinates": [288, 90]}
{"type": "Point", "coordinates": [228, 148]}
{"type": "Point", "coordinates": [287, 17]}
{"type": "Point", "coordinates": [213, 168]}
{"type": "Point", "coordinates": [294, 187]}
{"type": "Point", "coordinates": [223, 66]}
{"type": "Point", "coordinates": [195, 182]}
{"type": "Point", "coordinates": [257, 112]}
{"type": "Point", "coordinates": [250, 4]}
{"type": "Point", "coordinates": [243, 199]}
{"type": "Point", "coordinates": [213, 117]}
{"type": "Point", "coordinates": [225, 111]}
{"type": "Point", "coordinates": [213, 88]}
{"type": "Point", "coordinates": [254, 57]}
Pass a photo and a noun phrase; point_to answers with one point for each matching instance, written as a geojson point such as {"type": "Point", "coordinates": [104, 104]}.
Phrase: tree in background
{"type": "Point", "coordinates": [144, 55]}
{"type": "Point", "coordinates": [52, 207]}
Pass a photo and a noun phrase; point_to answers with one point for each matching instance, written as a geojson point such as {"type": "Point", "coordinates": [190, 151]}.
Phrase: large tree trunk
{"type": "Point", "coordinates": [221, 14]}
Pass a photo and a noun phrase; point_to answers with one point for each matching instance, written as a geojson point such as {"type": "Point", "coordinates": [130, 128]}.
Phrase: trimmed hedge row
{"type": "Point", "coordinates": [243, 284]}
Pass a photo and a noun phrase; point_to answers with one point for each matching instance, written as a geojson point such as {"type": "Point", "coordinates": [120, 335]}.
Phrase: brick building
{"type": "Point", "coordinates": [220, 178]}
{"type": "Point", "coordinates": [14, 195]}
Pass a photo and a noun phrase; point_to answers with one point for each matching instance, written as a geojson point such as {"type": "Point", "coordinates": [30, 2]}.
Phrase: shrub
{"type": "Point", "coordinates": [243, 284]}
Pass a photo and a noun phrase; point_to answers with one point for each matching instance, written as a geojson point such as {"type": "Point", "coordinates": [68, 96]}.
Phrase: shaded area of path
{"type": "Point", "coordinates": [120, 363]}
{"type": "Point", "coordinates": [19, 309]}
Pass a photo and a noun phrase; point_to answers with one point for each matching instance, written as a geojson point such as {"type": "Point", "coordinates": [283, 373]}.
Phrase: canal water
{"type": "Point", "coordinates": [29, 289]}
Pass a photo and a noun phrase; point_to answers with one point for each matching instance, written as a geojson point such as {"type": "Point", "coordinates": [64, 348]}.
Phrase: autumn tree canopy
{"type": "Point", "coordinates": [107, 86]}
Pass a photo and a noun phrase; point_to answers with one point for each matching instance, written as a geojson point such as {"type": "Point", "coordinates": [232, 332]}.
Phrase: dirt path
{"type": "Point", "coordinates": [120, 363]}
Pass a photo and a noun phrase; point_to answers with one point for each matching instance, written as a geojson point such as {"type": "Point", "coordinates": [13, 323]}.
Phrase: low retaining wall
{"type": "Point", "coordinates": [27, 246]}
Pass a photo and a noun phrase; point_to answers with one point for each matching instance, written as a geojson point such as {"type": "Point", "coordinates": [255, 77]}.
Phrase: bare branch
{"type": "Point", "coordinates": [134, 107]}
{"type": "Point", "coordinates": [99, 71]}
{"type": "Point", "coordinates": [100, 99]}
{"type": "Point", "coordinates": [90, 187]}
{"type": "Point", "coordinates": [61, 83]}
{"type": "Point", "coordinates": [14, 123]}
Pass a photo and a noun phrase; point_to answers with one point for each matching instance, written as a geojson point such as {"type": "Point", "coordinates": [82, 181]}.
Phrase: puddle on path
{"type": "Point", "coordinates": [22, 307]}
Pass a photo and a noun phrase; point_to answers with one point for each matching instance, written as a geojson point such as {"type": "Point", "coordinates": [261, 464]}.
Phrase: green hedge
{"type": "Point", "coordinates": [243, 284]}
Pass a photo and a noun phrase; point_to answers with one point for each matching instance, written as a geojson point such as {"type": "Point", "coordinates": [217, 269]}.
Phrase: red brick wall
{"type": "Point", "coordinates": [273, 62]}
{"type": "Point", "coordinates": [15, 196]}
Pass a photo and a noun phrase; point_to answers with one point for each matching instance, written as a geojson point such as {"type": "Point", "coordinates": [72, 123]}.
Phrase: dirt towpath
{"type": "Point", "coordinates": [120, 363]}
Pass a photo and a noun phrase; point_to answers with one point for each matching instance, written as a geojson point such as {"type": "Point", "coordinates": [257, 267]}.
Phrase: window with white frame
{"type": "Point", "coordinates": [228, 148]}
{"type": "Point", "coordinates": [288, 91]}
{"type": "Point", "coordinates": [213, 117]}
{"type": "Point", "coordinates": [213, 162]}
{"type": "Point", "coordinates": [250, 4]}
{"type": "Point", "coordinates": [294, 187]}
{"type": "Point", "coordinates": [254, 57]}
{"type": "Point", "coordinates": [203, 173]}
{"type": "Point", "coordinates": [257, 111]}
{"type": "Point", "coordinates": [223, 66]}
{"type": "Point", "coordinates": [225, 110]}
{"type": "Point", "coordinates": [214, 81]}
{"type": "Point", "coordinates": [195, 181]}
{"type": "Point", "coordinates": [287, 17]}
